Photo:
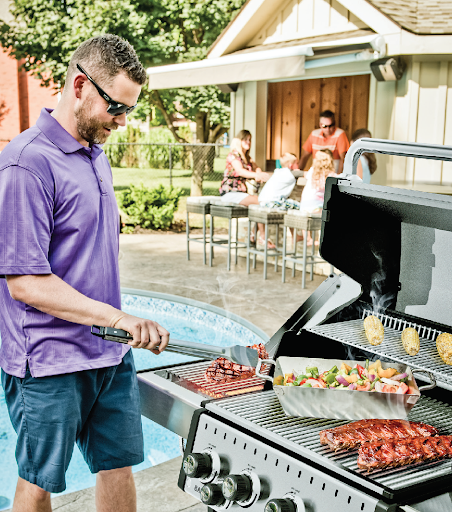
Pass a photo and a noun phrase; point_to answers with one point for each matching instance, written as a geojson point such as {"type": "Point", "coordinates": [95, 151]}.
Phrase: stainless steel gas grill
{"type": "Point", "coordinates": [394, 249]}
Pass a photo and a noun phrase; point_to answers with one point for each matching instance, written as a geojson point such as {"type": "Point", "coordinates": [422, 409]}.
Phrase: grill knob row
{"type": "Point", "coordinates": [280, 505]}
{"type": "Point", "coordinates": [197, 465]}
{"type": "Point", "coordinates": [237, 487]}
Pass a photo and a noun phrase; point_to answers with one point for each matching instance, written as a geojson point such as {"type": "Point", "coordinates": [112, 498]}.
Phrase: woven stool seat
{"type": "Point", "coordinates": [266, 215]}
{"type": "Point", "coordinates": [305, 222]}
{"type": "Point", "coordinates": [229, 211]}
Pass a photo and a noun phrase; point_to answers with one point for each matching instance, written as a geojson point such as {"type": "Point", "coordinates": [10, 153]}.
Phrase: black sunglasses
{"type": "Point", "coordinates": [114, 108]}
{"type": "Point", "coordinates": [327, 125]}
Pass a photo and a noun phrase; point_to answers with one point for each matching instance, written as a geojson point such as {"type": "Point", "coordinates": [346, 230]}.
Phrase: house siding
{"type": "Point", "coordinates": [417, 108]}
{"type": "Point", "coordinates": [24, 98]}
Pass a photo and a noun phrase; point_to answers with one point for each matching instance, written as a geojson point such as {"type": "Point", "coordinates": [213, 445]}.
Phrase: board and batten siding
{"type": "Point", "coordinates": [294, 109]}
{"type": "Point", "coordinates": [417, 108]}
{"type": "Point", "coordinates": [297, 19]}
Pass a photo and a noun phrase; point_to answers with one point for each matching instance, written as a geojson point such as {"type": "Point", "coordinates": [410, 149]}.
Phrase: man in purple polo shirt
{"type": "Point", "coordinates": [59, 253]}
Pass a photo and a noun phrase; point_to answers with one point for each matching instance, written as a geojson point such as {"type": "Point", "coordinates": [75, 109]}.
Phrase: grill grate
{"type": "Point", "coordinates": [192, 377]}
{"type": "Point", "coordinates": [351, 333]}
{"type": "Point", "coordinates": [263, 414]}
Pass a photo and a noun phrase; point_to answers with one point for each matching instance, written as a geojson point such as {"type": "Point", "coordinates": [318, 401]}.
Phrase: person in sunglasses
{"type": "Point", "coordinates": [59, 241]}
{"type": "Point", "coordinates": [328, 136]}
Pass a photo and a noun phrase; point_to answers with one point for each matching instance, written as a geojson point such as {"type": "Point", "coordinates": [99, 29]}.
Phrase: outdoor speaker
{"type": "Point", "coordinates": [388, 69]}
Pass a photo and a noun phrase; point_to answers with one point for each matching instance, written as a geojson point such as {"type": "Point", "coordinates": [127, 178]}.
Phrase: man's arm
{"type": "Point", "coordinates": [50, 294]}
{"type": "Point", "coordinates": [303, 160]}
{"type": "Point", "coordinates": [341, 162]}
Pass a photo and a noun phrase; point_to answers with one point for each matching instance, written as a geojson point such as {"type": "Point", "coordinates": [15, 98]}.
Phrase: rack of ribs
{"type": "Point", "coordinates": [384, 454]}
{"type": "Point", "coordinates": [354, 434]}
{"type": "Point", "coordinates": [222, 370]}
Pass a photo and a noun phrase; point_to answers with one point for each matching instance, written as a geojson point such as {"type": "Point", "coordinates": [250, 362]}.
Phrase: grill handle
{"type": "Point", "coordinates": [429, 375]}
{"type": "Point", "coordinates": [396, 148]}
{"type": "Point", "coordinates": [258, 369]}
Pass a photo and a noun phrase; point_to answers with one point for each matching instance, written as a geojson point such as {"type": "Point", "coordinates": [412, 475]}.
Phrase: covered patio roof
{"type": "Point", "coordinates": [260, 63]}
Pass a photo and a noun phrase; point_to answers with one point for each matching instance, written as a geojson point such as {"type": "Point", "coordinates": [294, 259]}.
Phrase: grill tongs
{"type": "Point", "coordinates": [235, 353]}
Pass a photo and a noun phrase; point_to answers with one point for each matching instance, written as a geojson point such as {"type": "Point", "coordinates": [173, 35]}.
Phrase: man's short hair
{"type": "Point", "coordinates": [104, 57]}
{"type": "Point", "coordinates": [287, 160]}
{"type": "Point", "coordinates": [328, 114]}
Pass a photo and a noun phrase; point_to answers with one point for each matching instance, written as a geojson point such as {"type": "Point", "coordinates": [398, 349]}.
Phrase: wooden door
{"type": "Point", "coordinates": [294, 108]}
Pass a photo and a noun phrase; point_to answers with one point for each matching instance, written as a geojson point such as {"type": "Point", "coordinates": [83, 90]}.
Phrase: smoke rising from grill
{"type": "Point", "coordinates": [380, 301]}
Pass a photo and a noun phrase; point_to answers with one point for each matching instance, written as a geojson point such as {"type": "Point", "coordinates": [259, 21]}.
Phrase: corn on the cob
{"type": "Point", "coordinates": [374, 330]}
{"type": "Point", "coordinates": [410, 341]}
{"type": "Point", "coordinates": [444, 346]}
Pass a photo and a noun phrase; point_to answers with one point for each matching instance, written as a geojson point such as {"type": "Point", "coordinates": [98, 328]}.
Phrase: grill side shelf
{"type": "Point", "coordinates": [351, 332]}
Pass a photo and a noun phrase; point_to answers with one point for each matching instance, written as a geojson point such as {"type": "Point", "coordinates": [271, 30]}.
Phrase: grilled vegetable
{"type": "Point", "coordinates": [444, 347]}
{"type": "Point", "coordinates": [278, 381]}
{"type": "Point", "coordinates": [374, 330]}
{"type": "Point", "coordinates": [386, 374]}
{"type": "Point", "coordinates": [410, 341]}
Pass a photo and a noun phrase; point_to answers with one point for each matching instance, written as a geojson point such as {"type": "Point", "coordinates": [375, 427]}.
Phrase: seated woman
{"type": "Point", "coordinates": [239, 167]}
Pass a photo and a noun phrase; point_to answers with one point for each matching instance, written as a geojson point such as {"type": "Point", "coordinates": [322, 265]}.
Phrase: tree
{"type": "Point", "coordinates": [3, 110]}
{"type": "Point", "coordinates": [46, 32]}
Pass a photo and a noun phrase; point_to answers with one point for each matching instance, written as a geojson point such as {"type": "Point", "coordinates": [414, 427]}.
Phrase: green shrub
{"type": "Point", "coordinates": [150, 208]}
{"type": "Point", "coordinates": [114, 151]}
{"type": "Point", "coordinates": [157, 157]}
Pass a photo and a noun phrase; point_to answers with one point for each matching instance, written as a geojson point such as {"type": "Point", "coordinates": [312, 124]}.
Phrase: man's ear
{"type": "Point", "coordinates": [79, 82]}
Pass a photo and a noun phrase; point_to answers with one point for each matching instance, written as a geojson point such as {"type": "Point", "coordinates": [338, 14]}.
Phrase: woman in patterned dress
{"type": "Point", "coordinates": [240, 167]}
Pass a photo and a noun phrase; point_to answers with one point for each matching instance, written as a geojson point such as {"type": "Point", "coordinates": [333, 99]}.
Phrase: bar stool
{"type": "Point", "coordinates": [266, 216]}
{"type": "Point", "coordinates": [200, 205]}
{"type": "Point", "coordinates": [226, 211]}
{"type": "Point", "coordinates": [299, 221]}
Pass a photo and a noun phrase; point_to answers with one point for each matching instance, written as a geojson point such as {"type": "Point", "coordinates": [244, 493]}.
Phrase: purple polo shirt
{"type": "Point", "coordinates": [58, 214]}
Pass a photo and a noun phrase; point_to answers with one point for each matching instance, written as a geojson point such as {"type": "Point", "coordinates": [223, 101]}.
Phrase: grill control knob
{"type": "Point", "coordinates": [280, 505]}
{"type": "Point", "coordinates": [237, 487]}
{"type": "Point", "coordinates": [211, 494]}
{"type": "Point", "coordinates": [197, 465]}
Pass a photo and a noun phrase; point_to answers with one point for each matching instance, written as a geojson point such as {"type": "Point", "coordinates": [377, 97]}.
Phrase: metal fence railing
{"type": "Point", "coordinates": [195, 168]}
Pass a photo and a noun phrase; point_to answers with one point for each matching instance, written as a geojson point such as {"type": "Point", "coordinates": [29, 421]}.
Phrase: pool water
{"type": "Point", "coordinates": [184, 322]}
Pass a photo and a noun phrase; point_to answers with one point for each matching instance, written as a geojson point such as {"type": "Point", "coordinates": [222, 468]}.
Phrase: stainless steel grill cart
{"type": "Point", "coordinates": [394, 250]}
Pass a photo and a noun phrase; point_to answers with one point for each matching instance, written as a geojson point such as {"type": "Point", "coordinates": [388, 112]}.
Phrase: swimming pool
{"type": "Point", "coordinates": [185, 319]}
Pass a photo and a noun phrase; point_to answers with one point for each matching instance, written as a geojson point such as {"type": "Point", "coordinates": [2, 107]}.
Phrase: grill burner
{"type": "Point", "coordinates": [193, 378]}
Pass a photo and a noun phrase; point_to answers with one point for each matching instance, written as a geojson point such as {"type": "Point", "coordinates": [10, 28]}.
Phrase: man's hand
{"type": "Point", "coordinates": [50, 294]}
{"type": "Point", "coordinates": [304, 159]}
{"type": "Point", "coordinates": [146, 333]}
{"type": "Point", "coordinates": [341, 163]}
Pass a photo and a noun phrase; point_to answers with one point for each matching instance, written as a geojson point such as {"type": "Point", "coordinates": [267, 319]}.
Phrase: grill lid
{"type": "Point", "coordinates": [396, 243]}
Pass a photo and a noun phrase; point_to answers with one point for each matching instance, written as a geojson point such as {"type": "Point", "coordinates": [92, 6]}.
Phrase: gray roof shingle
{"type": "Point", "coordinates": [419, 16]}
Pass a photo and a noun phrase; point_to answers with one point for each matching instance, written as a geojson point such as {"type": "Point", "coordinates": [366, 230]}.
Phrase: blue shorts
{"type": "Point", "coordinates": [97, 409]}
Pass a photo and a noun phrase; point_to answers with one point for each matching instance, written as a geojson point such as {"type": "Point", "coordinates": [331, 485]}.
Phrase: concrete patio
{"type": "Point", "coordinates": [158, 263]}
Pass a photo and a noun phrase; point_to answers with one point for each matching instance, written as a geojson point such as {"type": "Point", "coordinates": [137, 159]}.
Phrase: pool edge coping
{"type": "Point", "coordinates": [203, 305]}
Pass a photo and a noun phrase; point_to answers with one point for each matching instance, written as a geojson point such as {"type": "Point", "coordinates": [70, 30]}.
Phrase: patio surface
{"type": "Point", "coordinates": [158, 263]}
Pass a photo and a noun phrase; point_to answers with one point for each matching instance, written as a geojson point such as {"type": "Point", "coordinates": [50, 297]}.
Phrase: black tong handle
{"type": "Point", "coordinates": [111, 334]}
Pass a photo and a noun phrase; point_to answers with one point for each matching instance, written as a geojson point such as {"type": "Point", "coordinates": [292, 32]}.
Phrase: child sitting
{"type": "Point", "coordinates": [314, 190]}
{"type": "Point", "coordinates": [279, 187]}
